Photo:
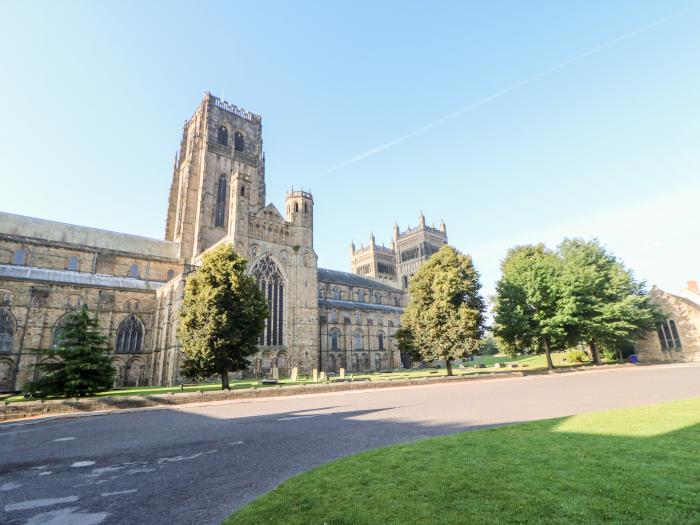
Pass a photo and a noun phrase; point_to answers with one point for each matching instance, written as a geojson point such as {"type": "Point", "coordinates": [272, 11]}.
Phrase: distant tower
{"type": "Point", "coordinates": [415, 246]}
{"type": "Point", "coordinates": [220, 162]}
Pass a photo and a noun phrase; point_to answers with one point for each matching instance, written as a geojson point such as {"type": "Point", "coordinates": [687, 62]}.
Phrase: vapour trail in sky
{"type": "Point", "coordinates": [505, 91]}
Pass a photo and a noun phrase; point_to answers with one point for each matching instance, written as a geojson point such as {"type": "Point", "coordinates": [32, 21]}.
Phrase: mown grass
{"type": "Point", "coordinates": [530, 363]}
{"type": "Point", "coordinates": [636, 466]}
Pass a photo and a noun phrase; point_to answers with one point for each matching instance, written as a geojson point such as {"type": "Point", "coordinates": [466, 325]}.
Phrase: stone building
{"type": "Point", "coordinates": [134, 285]}
{"type": "Point", "coordinates": [677, 338]}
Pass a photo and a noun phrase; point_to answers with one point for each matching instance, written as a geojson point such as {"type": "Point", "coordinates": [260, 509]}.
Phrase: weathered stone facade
{"type": "Point", "coordinates": [134, 285]}
{"type": "Point", "coordinates": [678, 338]}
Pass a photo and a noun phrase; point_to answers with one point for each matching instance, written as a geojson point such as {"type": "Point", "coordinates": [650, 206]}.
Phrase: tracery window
{"type": "Point", "coordinates": [222, 136]}
{"type": "Point", "coordinates": [334, 340]}
{"type": "Point", "coordinates": [271, 282]}
{"type": "Point", "coordinates": [668, 335]}
{"type": "Point", "coordinates": [238, 141]}
{"type": "Point", "coordinates": [7, 330]}
{"type": "Point", "coordinates": [380, 340]}
{"type": "Point", "coordinates": [129, 335]}
{"type": "Point", "coordinates": [220, 209]}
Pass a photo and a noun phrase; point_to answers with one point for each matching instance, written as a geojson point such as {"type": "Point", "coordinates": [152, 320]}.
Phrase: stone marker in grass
{"type": "Point", "coordinates": [295, 374]}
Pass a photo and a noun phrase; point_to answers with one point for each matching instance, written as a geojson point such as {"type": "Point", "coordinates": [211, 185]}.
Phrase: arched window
{"type": "Point", "coordinates": [396, 301]}
{"type": "Point", "coordinates": [238, 141]}
{"type": "Point", "coordinates": [334, 341]}
{"type": "Point", "coordinates": [361, 296]}
{"type": "Point", "coordinates": [271, 283]}
{"type": "Point", "coordinates": [171, 274]}
{"type": "Point", "coordinates": [6, 297]}
{"type": "Point", "coordinates": [242, 191]}
{"type": "Point", "coordinates": [73, 263]}
{"type": "Point", "coordinates": [668, 335]}
{"type": "Point", "coordinates": [357, 339]}
{"type": "Point", "coordinates": [57, 333]}
{"type": "Point", "coordinates": [20, 257]}
{"type": "Point", "coordinates": [334, 316]}
{"type": "Point", "coordinates": [7, 330]}
{"type": "Point", "coordinates": [296, 206]}
{"type": "Point", "coordinates": [405, 281]}
{"type": "Point", "coordinates": [134, 271]}
{"type": "Point", "coordinates": [222, 136]}
{"type": "Point", "coordinates": [380, 340]}
{"type": "Point", "coordinates": [220, 209]}
{"type": "Point", "coordinates": [129, 335]}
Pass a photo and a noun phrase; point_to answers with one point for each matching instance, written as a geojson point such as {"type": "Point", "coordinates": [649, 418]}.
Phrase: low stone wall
{"type": "Point", "coordinates": [28, 409]}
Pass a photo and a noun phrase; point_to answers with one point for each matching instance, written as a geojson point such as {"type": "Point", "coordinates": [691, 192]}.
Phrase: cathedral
{"type": "Point", "coordinates": [319, 318]}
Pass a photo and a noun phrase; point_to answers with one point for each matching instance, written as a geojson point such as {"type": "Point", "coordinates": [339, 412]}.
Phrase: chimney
{"type": "Point", "coordinates": [693, 286]}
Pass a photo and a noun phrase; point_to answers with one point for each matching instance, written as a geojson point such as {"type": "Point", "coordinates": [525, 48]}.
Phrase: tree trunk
{"type": "Point", "coordinates": [550, 365]}
{"type": "Point", "coordinates": [224, 381]}
{"type": "Point", "coordinates": [448, 364]}
{"type": "Point", "coordinates": [594, 352]}
{"type": "Point", "coordinates": [620, 359]}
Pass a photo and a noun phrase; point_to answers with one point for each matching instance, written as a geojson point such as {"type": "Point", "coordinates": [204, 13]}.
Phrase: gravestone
{"type": "Point", "coordinates": [315, 375]}
{"type": "Point", "coordinates": [322, 376]}
{"type": "Point", "coordinates": [341, 374]}
{"type": "Point", "coordinates": [497, 365]}
{"type": "Point", "coordinates": [274, 372]}
{"type": "Point", "coordinates": [295, 374]}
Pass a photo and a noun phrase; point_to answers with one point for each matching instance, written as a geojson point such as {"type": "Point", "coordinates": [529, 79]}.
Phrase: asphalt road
{"type": "Point", "coordinates": [196, 464]}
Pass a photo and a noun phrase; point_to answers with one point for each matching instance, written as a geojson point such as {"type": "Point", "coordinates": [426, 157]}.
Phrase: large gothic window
{"type": "Point", "coordinates": [238, 141]}
{"type": "Point", "coordinates": [358, 340]}
{"type": "Point", "coordinates": [220, 210]}
{"type": "Point", "coordinates": [7, 330]}
{"type": "Point", "coordinates": [271, 283]}
{"type": "Point", "coordinates": [334, 340]}
{"type": "Point", "coordinates": [130, 335]}
{"type": "Point", "coordinates": [222, 136]}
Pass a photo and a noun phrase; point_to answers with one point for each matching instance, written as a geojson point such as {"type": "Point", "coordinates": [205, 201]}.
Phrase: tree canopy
{"type": "Point", "coordinates": [223, 314]}
{"type": "Point", "coordinates": [80, 364]}
{"type": "Point", "coordinates": [580, 294]}
{"type": "Point", "coordinates": [444, 318]}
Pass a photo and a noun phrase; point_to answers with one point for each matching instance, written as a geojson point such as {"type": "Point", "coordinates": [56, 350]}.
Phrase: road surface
{"type": "Point", "coordinates": [196, 464]}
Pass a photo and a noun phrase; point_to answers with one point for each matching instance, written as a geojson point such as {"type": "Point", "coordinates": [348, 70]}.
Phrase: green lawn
{"type": "Point", "coordinates": [636, 466]}
{"type": "Point", "coordinates": [529, 363]}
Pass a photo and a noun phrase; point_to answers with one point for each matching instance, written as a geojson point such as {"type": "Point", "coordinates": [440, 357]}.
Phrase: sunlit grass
{"type": "Point", "coordinates": [636, 465]}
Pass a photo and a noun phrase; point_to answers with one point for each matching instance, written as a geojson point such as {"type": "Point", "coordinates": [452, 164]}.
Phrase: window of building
{"type": "Point", "coordinates": [129, 335]}
{"type": "Point", "coordinates": [334, 341]}
{"type": "Point", "coordinates": [405, 281]}
{"type": "Point", "coordinates": [377, 298]}
{"type": "Point", "coordinates": [380, 340]}
{"type": "Point", "coordinates": [396, 301]}
{"type": "Point", "coordinates": [390, 324]}
{"type": "Point", "coordinates": [668, 335]}
{"type": "Point", "coordinates": [271, 283]}
{"type": "Point", "coordinates": [336, 293]}
{"type": "Point", "coordinates": [171, 274]}
{"type": "Point", "coordinates": [296, 206]}
{"type": "Point", "coordinates": [357, 338]}
{"type": "Point", "coordinates": [57, 333]}
{"type": "Point", "coordinates": [361, 296]}
{"type": "Point", "coordinates": [238, 141]}
{"type": "Point", "coordinates": [7, 330]}
{"type": "Point", "coordinates": [6, 298]}
{"type": "Point", "coordinates": [242, 191]}
{"type": "Point", "coordinates": [20, 257]}
{"type": "Point", "coordinates": [73, 263]}
{"type": "Point", "coordinates": [222, 136]}
{"type": "Point", "coordinates": [134, 271]}
{"type": "Point", "coordinates": [334, 316]}
{"type": "Point", "coordinates": [358, 317]}
{"type": "Point", "coordinates": [220, 208]}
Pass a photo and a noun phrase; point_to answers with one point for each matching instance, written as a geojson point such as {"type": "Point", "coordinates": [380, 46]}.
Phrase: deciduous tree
{"type": "Point", "coordinates": [223, 313]}
{"type": "Point", "coordinates": [444, 318]}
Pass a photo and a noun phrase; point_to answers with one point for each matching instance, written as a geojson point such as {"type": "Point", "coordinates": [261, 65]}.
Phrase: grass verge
{"type": "Point", "coordinates": [635, 465]}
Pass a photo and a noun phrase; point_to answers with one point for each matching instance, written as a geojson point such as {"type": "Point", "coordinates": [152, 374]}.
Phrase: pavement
{"type": "Point", "coordinates": [195, 464]}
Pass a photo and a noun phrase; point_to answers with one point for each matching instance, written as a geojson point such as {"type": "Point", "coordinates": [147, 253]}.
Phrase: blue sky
{"type": "Point", "coordinates": [94, 94]}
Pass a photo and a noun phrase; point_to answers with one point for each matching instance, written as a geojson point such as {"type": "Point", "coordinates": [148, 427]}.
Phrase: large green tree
{"type": "Point", "coordinates": [444, 318]}
{"type": "Point", "coordinates": [80, 364]}
{"type": "Point", "coordinates": [530, 308]}
{"type": "Point", "coordinates": [609, 307]}
{"type": "Point", "coordinates": [223, 314]}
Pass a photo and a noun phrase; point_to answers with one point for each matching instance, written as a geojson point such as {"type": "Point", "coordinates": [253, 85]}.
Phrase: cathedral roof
{"type": "Point", "coordinates": [352, 279]}
{"type": "Point", "coordinates": [67, 277]}
{"type": "Point", "coordinates": [52, 231]}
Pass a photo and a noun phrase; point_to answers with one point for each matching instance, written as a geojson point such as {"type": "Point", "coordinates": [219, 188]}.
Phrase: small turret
{"type": "Point", "coordinates": [421, 219]}
{"type": "Point", "coordinates": [396, 231]}
{"type": "Point", "coordinates": [299, 206]}
{"type": "Point", "coordinates": [443, 228]}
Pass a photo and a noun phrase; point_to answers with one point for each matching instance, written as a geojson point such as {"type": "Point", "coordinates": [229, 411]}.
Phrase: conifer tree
{"type": "Point", "coordinates": [82, 365]}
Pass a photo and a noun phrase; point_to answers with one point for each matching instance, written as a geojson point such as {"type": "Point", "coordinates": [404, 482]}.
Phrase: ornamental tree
{"type": "Point", "coordinates": [223, 314]}
{"type": "Point", "coordinates": [80, 364]}
{"type": "Point", "coordinates": [445, 315]}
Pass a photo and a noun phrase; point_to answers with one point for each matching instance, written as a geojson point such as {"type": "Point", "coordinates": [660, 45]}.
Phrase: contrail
{"type": "Point", "coordinates": [504, 91]}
